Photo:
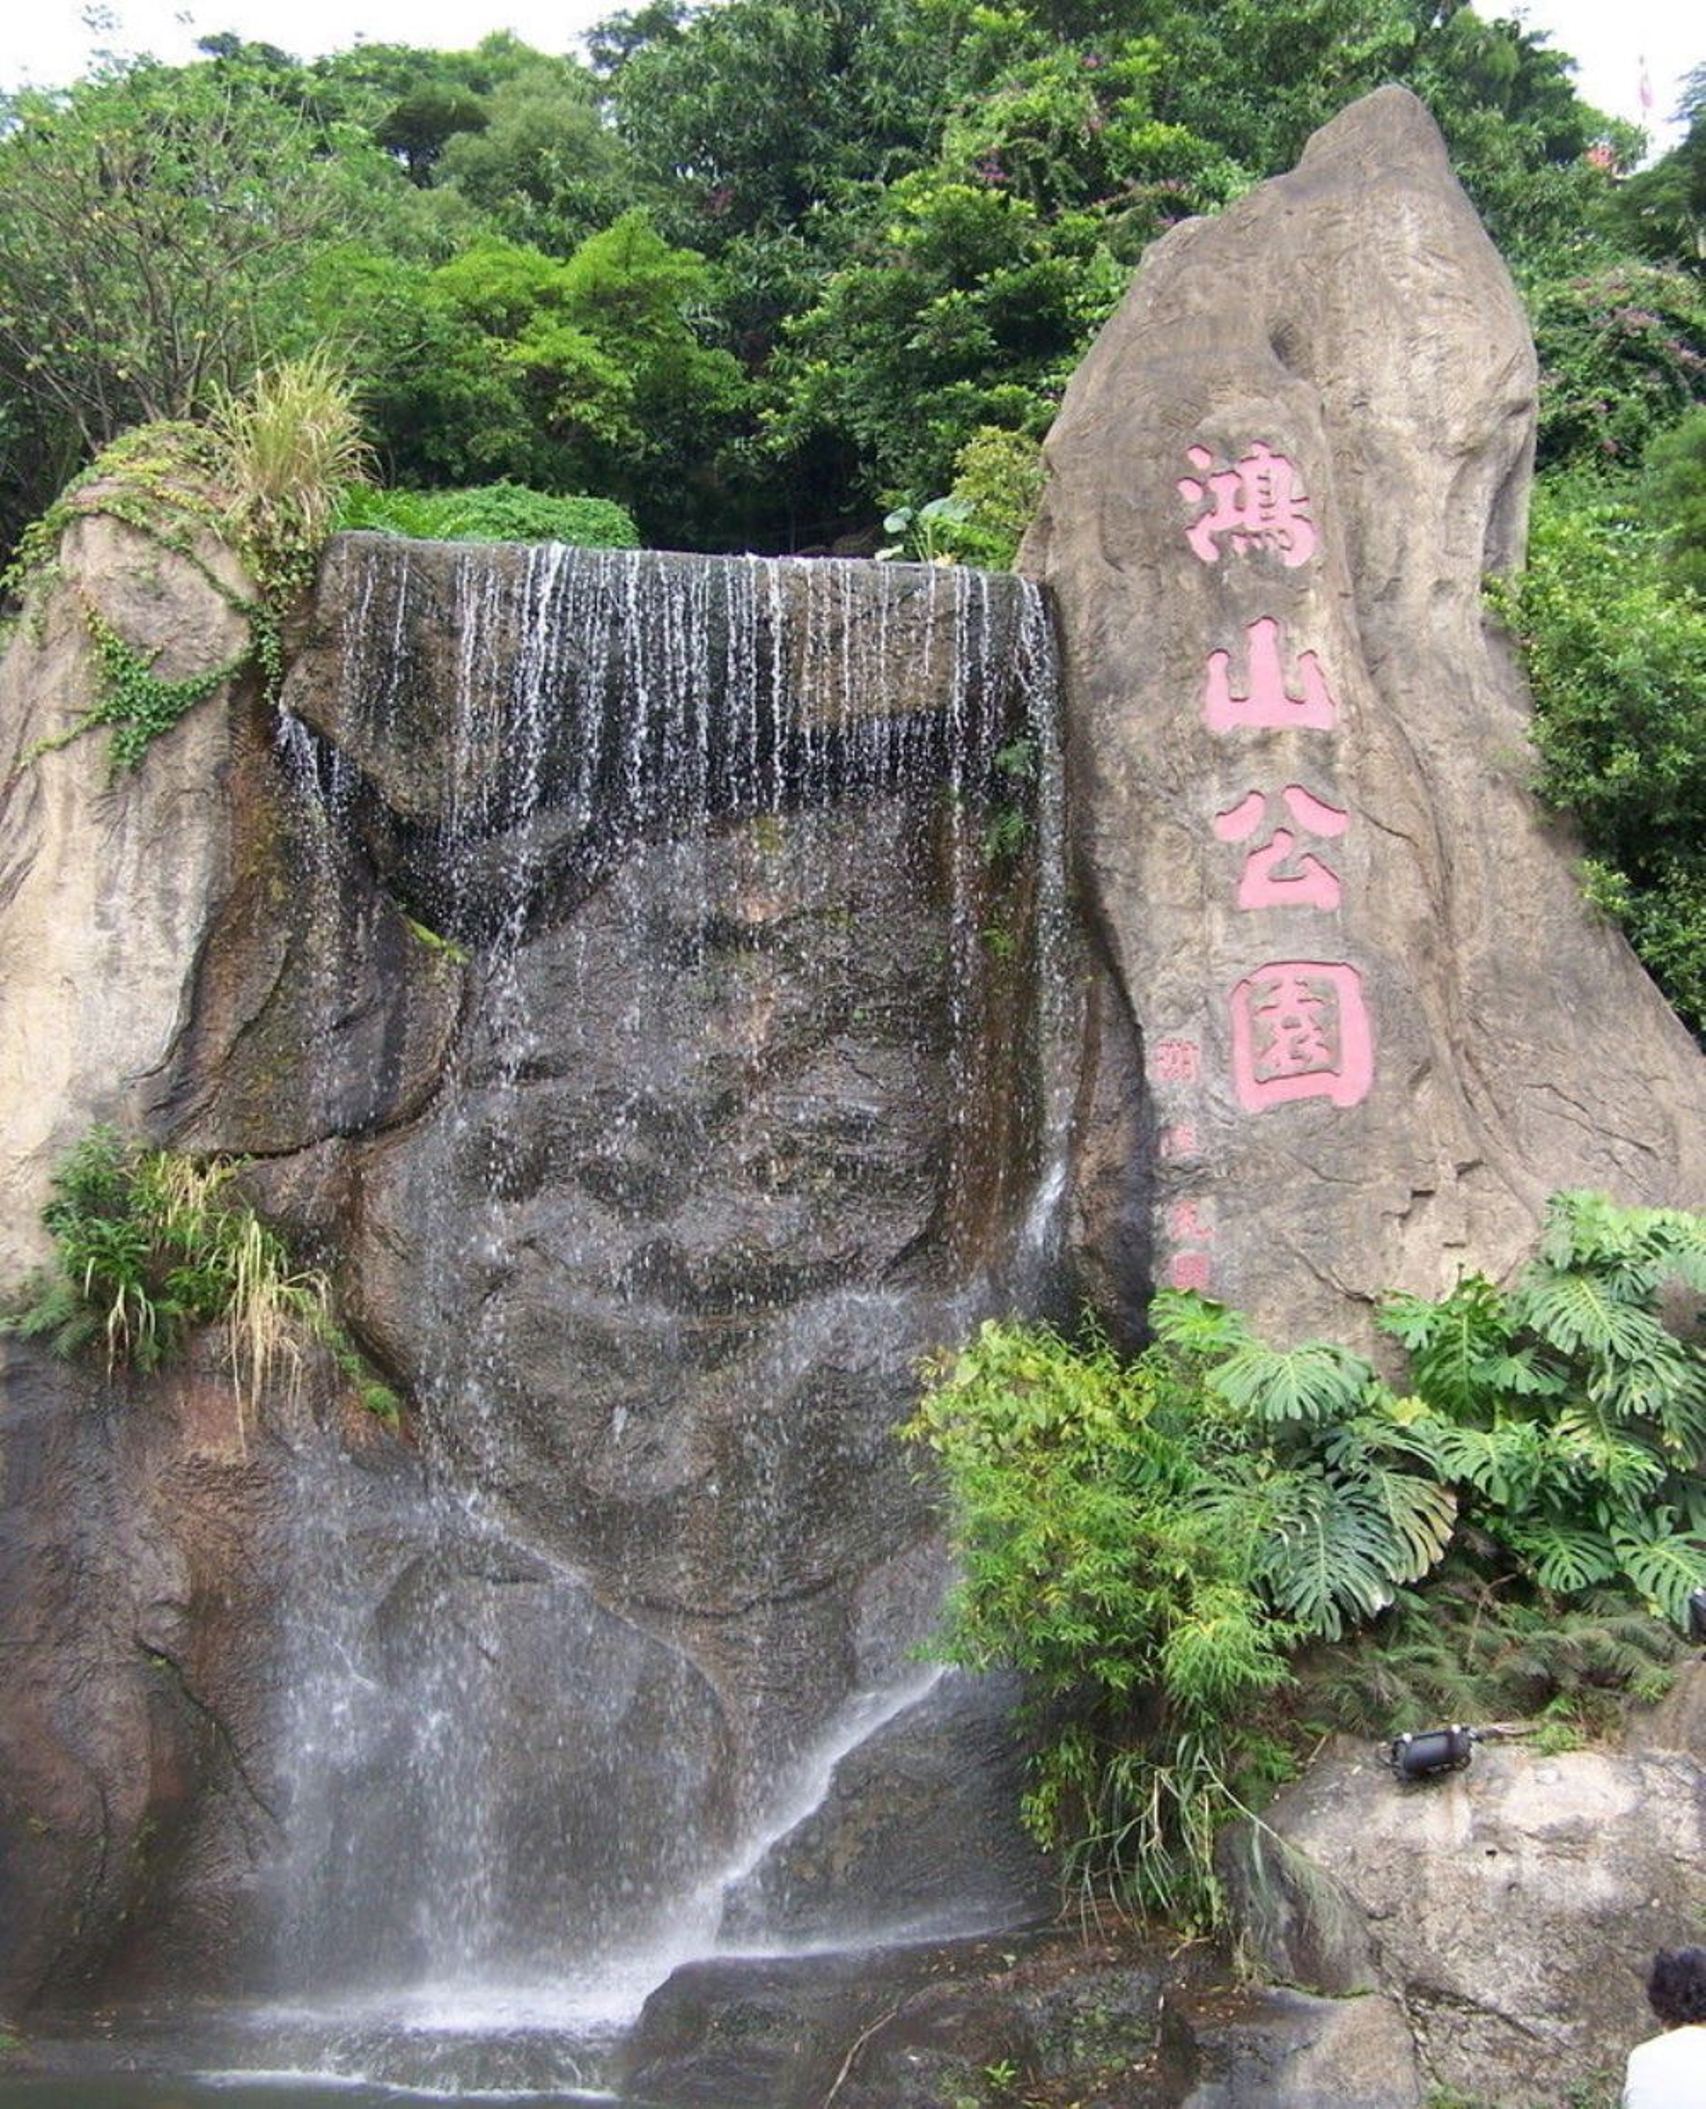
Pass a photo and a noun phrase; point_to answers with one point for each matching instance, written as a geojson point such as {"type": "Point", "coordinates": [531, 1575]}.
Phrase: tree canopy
{"type": "Point", "coordinates": [765, 271]}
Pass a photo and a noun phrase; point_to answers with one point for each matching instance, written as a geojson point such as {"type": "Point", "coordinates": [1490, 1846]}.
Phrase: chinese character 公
{"type": "Point", "coordinates": [1256, 505]}
{"type": "Point", "coordinates": [1267, 701]}
{"type": "Point", "coordinates": [1264, 884]}
{"type": "Point", "coordinates": [1300, 1029]}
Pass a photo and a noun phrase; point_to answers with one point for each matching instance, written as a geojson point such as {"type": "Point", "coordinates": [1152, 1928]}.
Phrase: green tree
{"type": "Point", "coordinates": [1664, 207]}
{"type": "Point", "coordinates": [545, 168]}
{"type": "Point", "coordinates": [1616, 657]}
{"type": "Point", "coordinates": [156, 227]}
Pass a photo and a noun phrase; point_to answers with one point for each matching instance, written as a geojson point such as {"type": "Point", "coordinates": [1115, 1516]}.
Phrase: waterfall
{"type": "Point", "coordinates": [756, 868]}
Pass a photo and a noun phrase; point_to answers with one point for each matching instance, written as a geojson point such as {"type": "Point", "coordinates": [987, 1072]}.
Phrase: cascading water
{"type": "Point", "coordinates": [751, 1104]}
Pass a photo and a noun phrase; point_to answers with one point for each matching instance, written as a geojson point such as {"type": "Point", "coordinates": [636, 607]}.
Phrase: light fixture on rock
{"type": "Point", "coordinates": [1697, 1616]}
{"type": "Point", "coordinates": [1432, 1751]}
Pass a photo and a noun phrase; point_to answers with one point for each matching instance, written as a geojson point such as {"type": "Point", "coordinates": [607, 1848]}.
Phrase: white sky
{"type": "Point", "coordinates": [50, 42]}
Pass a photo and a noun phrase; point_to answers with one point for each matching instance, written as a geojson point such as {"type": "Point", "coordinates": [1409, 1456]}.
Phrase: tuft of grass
{"type": "Point", "coordinates": [150, 1245]}
{"type": "Point", "coordinates": [290, 446]}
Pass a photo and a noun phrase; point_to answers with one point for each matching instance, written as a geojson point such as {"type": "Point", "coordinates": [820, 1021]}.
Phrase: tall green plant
{"type": "Point", "coordinates": [289, 446]}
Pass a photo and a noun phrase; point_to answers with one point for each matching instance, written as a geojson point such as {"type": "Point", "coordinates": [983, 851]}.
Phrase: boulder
{"type": "Point", "coordinates": [1377, 1023]}
{"type": "Point", "coordinates": [1511, 1909]}
{"type": "Point", "coordinates": [1282, 2049]}
{"type": "Point", "coordinates": [885, 1848]}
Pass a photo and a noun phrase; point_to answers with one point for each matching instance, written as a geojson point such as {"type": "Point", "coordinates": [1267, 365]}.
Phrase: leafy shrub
{"type": "Point", "coordinates": [149, 1246]}
{"type": "Point", "coordinates": [498, 512]}
{"type": "Point", "coordinates": [1616, 657]}
{"type": "Point", "coordinates": [1154, 1541]}
{"type": "Point", "coordinates": [1622, 357]}
{"type": "Point", "coordinates": [1674, 500]}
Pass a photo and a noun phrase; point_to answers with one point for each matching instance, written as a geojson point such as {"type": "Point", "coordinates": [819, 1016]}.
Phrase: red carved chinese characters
{"type": "Point", "coordinates": [1175, 1062]}
{"type": "Point", "coordinates": [1300, 1029]}
{"type": "Point", "coordinates": [1265, 882]}
{"type": "Point", "coordinates": [1190, 1270]}
{"type": "Point", "coordinates": [1256, 504]}
{"type": "Point", "coordinates": [1266, 701]}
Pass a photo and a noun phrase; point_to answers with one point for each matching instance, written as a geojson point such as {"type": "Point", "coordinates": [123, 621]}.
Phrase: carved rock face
{"type": "Point", "coordinates": [1378, 1024]}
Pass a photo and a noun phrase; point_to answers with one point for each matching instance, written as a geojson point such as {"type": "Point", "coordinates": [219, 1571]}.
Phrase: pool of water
{"type": "Point", "coordinates": [257, 2091]}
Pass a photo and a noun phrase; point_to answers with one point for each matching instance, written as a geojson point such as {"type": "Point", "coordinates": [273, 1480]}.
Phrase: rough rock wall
{"type": "Point", "coordinates": [105, 886]}
{"type": "Point", "coordinates": [1511, 1910]}
{"type": "Point", "coordinates": [650, 1183]}
{"type": "Point", "coordinates": [1378, 1025]}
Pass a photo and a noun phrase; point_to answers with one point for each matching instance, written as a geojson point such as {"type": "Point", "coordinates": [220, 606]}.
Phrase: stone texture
{"type": "Point", "coordinates": [911, 2027]}
{"type": "Point", "coordinates": [136, 1806]}
{"type": "Point", "coordinates": [1678, 1722]}
{"type": "Point", "coordinates": [1282, 2049]}
{"type": "Point", "coordinates": [650, 1190]}
{"type": "Point", "coordinates": [1512, 1909]}
{"type": "Point", "coordinates": [1352, 317]}
{"type": "Point", "coordinates": [106, 887]}
{"type": "Point", "coordinates": [886, 1846]}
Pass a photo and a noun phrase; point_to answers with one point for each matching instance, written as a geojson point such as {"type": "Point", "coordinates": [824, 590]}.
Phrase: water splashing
{"type": "Point", "coordinates": [756, 864]}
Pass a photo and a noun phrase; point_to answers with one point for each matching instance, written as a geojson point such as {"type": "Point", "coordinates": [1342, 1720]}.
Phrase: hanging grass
{"type": "Point", "coordinates": [151, 1246]}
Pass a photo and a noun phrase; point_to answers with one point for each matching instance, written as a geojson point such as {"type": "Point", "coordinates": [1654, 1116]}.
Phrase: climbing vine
{"type": "Point", "coordinates": [132, 699]}
{"type": "Point", "coordinates": [264, 476]}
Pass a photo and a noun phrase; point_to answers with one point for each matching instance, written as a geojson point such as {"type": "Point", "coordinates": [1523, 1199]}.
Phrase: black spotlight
{"type": "Point", "coordinates": [1434, 1751]}
{"type": "Point", "coordinates": [1697, 1615]}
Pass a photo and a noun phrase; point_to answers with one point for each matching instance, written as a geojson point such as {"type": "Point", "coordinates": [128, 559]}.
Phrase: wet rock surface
{"type": "Point", "coordinates": [649, 1186]}
{"type": "Point", "coordinates": [886, 1847]}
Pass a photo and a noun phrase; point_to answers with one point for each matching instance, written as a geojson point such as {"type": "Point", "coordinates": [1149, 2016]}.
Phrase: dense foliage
{"type": "Point", "coordinates": [1615, 637]}
{"type": "Point", "coordinates": [1154, 1541]}
{"type": "Point", "coordinates": [764, 272]}
{"type": "Point", "coordinates": [498, 512]}
{"type": "Point", "coordinates": [150, 1247]}
{"type": "Point", "coordinates": [759, 271]}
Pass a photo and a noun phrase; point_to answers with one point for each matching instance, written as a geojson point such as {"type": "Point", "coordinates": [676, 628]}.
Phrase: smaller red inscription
{"type": "Point", "coordinates": [1175, 1062]}
{"type": "Point", "coordinates": [1258, 503]}
{"type": "Point", "coordinates": [1184, 1222]}
{"type": "Point", "coordinates": [1190, 1270]}
{"type": "Point", "coordinates": [1300, 1029]}
{"type": "Point", "coordinates": [1266, 700]}
{"type": "Point", "coordinates": [1180, 1140]}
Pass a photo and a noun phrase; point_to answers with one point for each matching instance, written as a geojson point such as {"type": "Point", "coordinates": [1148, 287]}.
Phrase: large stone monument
{"type": "Point", "coordinates": [1376, 1023]}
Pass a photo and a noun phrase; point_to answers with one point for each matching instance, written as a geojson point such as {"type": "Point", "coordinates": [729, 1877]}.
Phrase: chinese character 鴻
{"type": "Point", "coordinates": [1255, 504]}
